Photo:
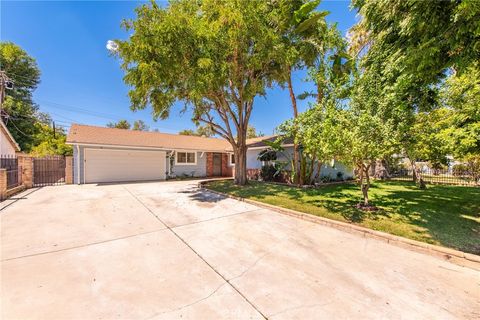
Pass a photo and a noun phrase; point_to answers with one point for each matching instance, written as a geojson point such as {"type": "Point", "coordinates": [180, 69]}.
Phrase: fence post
{"type": "Point", "coordinates": [3, 184]}
{"type": "Point", "coordinates": [26, 163]}
{"type": "Point", "coordinates": [68, 170]}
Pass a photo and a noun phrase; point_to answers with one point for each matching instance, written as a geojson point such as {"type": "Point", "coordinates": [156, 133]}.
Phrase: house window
{"type": "Point", "coordinates": [232, 159]}
{"type": "Point", "coordinates": [186, 158]}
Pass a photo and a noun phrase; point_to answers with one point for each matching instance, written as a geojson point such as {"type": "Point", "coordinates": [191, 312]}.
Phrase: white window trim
{"type": "Point", "coordinates": [230, 160]}
{"type": "Point", "coordinates": [185, 164]}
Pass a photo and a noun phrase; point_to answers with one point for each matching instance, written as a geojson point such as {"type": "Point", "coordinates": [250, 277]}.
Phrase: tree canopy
{"type": "Point", "coordinates": [425, 37]}
{"type": "Point", "coordinates": [31, 129]}
{"type": "Point", "coordinates": [201, 131]}
{"type": "Point", "coordinates": [252, 132]}
{"type": "Point", "coordinates": [121, 124]}
{"type": "Point", "coordinates": [140, 125]}
{"type": "Point", "coordinates": [214, 56]}
{"type": "Point", "coordinates": [19, 111]}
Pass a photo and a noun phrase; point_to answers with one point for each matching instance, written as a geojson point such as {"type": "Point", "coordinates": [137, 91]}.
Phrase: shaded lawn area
{"type": "Point", "coordinates": [441, 215]}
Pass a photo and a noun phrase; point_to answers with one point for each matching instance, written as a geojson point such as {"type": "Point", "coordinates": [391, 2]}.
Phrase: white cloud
{"type": "Point", "coordinates": [112, 45]}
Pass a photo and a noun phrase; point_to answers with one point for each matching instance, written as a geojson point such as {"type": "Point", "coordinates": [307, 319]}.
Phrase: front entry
{"type": "Point", "coordinates": [217, 164]}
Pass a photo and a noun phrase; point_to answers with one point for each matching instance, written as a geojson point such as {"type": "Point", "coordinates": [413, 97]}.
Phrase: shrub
{"type": "Point", "coordinates": [339, 176]}
{"type": "Point", "coordinates": [268, 172]}
{"type": "Point", "coordinates": [460, 169]}
{"type": "Point", "coordinates": [267, 155]}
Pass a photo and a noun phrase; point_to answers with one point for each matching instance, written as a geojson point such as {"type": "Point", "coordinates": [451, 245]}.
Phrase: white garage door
{"type": "Point", "coordinates": [102, 165]}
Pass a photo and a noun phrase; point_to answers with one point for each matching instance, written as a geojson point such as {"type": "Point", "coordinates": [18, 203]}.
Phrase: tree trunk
{"type": "Point", "coordinates": [319, 168]}
{"type": "Point", "coordinates": [417, 175]}
{"type": "Point", "coordinates": [312, 170]}
{"type": "Point", "coordinates": [296, 149]}
{"type": "Point", "coordinates": [365, 183]}
{"type": "Point", "coordinates": [240, 152]}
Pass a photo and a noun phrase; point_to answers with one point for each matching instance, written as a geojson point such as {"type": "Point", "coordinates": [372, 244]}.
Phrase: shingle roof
{"type": "Point", "coordinates": [260, 141]}
{"type": "Point", "coordinates": [84, 134]}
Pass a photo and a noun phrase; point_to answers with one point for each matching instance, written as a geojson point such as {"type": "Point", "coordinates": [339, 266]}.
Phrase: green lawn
{"type": "Point", "coordinates": [442, 215]}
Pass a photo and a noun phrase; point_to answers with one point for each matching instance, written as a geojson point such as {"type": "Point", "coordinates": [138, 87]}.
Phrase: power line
{"type": "Point", "coordinates": [23, 133]}
{"type": "Point", "coordinates": [18, 75]}
{"type": "Point", "coordinates": [79, 110]}
{"type": "Point", "coordinates": [102, 115]}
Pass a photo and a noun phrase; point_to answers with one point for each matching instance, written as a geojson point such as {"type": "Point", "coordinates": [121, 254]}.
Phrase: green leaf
{"type": "Point", "coordinates": [311, 21]}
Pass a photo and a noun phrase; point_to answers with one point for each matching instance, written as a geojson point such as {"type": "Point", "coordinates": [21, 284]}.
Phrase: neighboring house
{"type": "Point", "coordinates": [113, 155]}
{"type": "Point", "coordinates": [8, 145]}
{"type": "Point", "coordinates": [257, 145]}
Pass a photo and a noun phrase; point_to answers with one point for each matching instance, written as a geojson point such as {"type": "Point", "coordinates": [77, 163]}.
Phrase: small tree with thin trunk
{"type": "Point", "coordinates": [214, 56]}
{"type": "Point", "coordinates": [365, 134]}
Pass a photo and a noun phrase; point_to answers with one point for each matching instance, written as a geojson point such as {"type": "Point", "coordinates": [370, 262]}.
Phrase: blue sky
{"type": "Point", "coordinates": [81, 83]}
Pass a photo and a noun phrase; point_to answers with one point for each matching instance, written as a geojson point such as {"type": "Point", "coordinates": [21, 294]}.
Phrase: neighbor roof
{"type": "Point", "coordinates": [84, 134]}
{"type": "Point", "coordinates": [259, 142]}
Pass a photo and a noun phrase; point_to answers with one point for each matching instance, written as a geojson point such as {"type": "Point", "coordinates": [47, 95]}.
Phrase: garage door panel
{"type": "Point", "coordinates": [105, 165]}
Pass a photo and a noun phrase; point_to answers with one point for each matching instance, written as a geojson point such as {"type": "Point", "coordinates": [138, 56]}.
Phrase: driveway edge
{"type": "Point", "coordinates": [456, 256]}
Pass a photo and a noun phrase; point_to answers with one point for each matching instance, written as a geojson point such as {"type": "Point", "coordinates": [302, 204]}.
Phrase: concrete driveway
{"type": "Point", "coordinates": [167, 250]}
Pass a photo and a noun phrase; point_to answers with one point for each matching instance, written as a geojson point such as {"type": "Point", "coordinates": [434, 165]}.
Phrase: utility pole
{"type": "Point", "coordinates": [53, 129]}
{"type": "Point", "coordinates": [5, 83]}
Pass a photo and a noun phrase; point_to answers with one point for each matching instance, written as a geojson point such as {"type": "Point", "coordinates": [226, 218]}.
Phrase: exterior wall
{"type": "Point", "coordinates": [287, 155]}
{"type": "Point", "coordinates": [328, 170]}
{"type": "Point", "coordinates": [252, 161]}
{"type": "Point", "coordinates": [77, 164]}
{"type": "Point", "coordinates": [196, 170]}
{"type": "Point", "coordinates": [6, 146]}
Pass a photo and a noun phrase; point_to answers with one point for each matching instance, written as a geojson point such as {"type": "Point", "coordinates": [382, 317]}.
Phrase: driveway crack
{"type": "Point", "coordinates": [189, 304]}
{"type": "Point", "coordinates": [198, 255]}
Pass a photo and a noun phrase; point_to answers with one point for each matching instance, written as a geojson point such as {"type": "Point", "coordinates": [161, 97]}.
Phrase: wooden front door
{"type": "Point", "coordinates": [217, 164]}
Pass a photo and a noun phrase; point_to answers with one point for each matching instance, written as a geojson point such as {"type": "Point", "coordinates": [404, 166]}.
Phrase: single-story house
{"type": "Point", "coordinates": [8, 145]}
{"type": "Point", "coordinates": [113, 155]}
{"type": "Point", "coordinates": [116, 155]}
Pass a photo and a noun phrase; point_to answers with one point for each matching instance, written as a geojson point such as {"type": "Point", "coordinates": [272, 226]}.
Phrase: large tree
{"type": "Point", "coordinates": [140, 125]}
{"type": "Point", "coordinates": [50, 141]}
{"type": "Point", "coordinates": [19, 112]}
{"type": "Point", "coordinates": [201, 131]}
{"type": "Point", "coordinates": [461, 95]}
{"type": "Point", "coordinates": [425, 37]}
{"type": "Point", "coordinates": [309, 44]}
{"type": "Point", "coordinates": [215, 56]}
{"type": "Point", "coordinates": [409, 46]}
{"type": "Point", "coordinates": [121, 124]}
{"type": "Point", "coordinates": [252, 132]}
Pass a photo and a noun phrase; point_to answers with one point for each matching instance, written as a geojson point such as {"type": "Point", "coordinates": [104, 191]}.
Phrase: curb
{"type": "Point", "coordinates": [456, 256]}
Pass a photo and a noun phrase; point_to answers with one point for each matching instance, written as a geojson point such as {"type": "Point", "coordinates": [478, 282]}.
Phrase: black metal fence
{"type": "Point", "coordinates": [453, 175]}
{"type": "Point", "coordinates": [48, 171]}
{"type": "Point", "coordinates": [14, 171]}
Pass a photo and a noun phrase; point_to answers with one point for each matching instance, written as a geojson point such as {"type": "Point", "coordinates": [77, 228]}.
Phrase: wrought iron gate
{"type": "Point", "coordinates": [14, 171]}
{"type": "Point", "coordinates": [49, 171]}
